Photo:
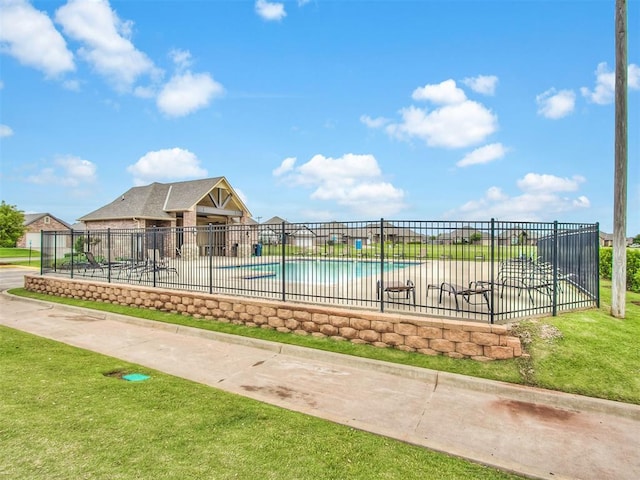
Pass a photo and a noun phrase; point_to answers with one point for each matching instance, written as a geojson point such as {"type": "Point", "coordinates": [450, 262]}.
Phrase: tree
{"type": "Point", "coordinates": [636, 239]}
{"type": "Point", "coordinates": [11, 224]}
{"type": "Point", "coordinates": [475, 237]}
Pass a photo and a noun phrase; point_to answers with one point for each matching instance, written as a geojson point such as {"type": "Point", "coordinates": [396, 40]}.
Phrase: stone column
{"type": "Point", "coordinates": [189, 248]}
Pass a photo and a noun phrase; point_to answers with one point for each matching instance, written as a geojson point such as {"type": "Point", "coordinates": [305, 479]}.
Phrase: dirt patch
{"type": "Point", "coordinates": [535, 410]}
{"type": "Point", "coordinates": [116, 373]}
{"type": "Point", "coordinates": [549, 332]}
{"type": "Point", "coordinates": [282, 392]}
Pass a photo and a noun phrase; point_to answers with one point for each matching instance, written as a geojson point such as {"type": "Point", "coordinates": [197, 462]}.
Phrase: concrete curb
{"type": "Point", "coordinates": [512, 391]}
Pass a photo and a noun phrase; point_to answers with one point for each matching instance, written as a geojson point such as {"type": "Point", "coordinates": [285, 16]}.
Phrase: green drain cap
{"type": "Point", "coordinates": [135, 377]}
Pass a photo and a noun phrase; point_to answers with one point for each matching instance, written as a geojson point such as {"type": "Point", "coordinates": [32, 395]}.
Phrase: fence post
{"type": "Point", "coordinates": [596, 241]}
{"type": "Point", "coordinates": [491, 266]}
{"type": "Point", "coordinates": [108, 255]}
{"type": "Point", "coordinates": [155, 245]}
{"type": "Point", "coordinates": [283, 260]}
{"type": "Point", "coordinates": [555, 269]}
{"type": "Point", "coordinates": [42, 250]}
{"type": "Point", "coordinates": [380, 291]}
{"type": "Point", "coordinates": [210, 242]}
{"type": "Point", "coordinates": [73, 249]}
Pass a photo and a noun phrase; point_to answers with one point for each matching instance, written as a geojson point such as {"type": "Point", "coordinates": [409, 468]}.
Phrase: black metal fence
{"type": "Point", "coordinates": [491, 271]}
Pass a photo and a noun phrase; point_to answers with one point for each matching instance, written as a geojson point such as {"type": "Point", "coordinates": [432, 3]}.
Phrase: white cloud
{"type": "Point", "coordinates": [106, 41]}
{"type": "Point", "coordinates": [633, 77]}
{"type": "Point", "coordinates": [452, 126]}
{"type": "Point", "coordinates": [188, 92]}
{"type": "Point", "coordinates": [286, 166]}
{"type": "Point", "coordinates": [351, 181]}
{"type": "Point", "coordinates": [167, 164]}
{"type": "Point", "coordinates": [581, 202]}
{"type": "Point", "coordinates": [553, 104]}
{"type": "Point", "coordinates": [542, 197]}
{"type": "Point", "coordinates": [373, 122]}
{"type": "Point", "coordinates": [457, 122]}
{"type": "Point", "coordinates": [604, 90]}
{"type": "Point", "coordinates": [484, 84]}
{"type": "Point", "coordinates": [29, 36]}
{"type": "Point", "coordinates": [444, 93]}
{"type": "Point", "coordinates": [5, 131]}
{"type": "Point", "coordinates": [485, 154]}
{"type": "Point", "coordinates": [533, 182]}
{"type": "Point", "coordinates": [181, 58]}
{"type": "Point", "coordinates": [496, 194]}
{"type": "Point", "coordinates": [271, 11]}
{"type": "Point", "coordinates": [69, 171]}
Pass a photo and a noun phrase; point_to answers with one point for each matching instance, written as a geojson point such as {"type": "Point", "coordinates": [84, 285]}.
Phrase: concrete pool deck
{"type": "Point", "coordinates": [260, 277]}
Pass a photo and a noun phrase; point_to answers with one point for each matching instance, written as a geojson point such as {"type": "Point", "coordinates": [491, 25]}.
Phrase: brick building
{"type": "Point", "coordinates": [34, 223]}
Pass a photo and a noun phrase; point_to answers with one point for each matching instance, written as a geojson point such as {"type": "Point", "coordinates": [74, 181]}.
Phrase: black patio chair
{"type": "Point", "coordinates": [92, 264]}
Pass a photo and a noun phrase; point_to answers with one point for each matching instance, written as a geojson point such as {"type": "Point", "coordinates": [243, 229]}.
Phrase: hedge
{"type": "Point", "coordinates": [633, 266]}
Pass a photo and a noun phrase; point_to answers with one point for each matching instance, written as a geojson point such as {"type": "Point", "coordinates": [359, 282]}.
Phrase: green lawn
{"type": "Point", "coordinates": [420, 251]}
{"type": "Point", "coordinates": [61, 417]}
{"type": "Point", "coordinates": [18, 252]}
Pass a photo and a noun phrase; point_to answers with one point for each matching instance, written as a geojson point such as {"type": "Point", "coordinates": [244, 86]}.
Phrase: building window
{"type": "Point", "coordinates": [47, 220]}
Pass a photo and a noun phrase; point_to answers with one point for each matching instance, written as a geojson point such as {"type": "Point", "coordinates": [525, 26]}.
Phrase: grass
{"type": "Point", "coordinates": [586, 352]}
{"type": "Point", "coordinates": [62, 417]}
{"type": "Point", "coordinates": [18, 252]}
{"type": "Point", "coordinates": [466, 251]}
{"type": "Point", "coordinates": [22, 256]}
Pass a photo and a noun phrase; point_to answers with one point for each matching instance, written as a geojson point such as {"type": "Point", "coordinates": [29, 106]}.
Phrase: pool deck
{"type": "Point", "coordinates": [230, 275]}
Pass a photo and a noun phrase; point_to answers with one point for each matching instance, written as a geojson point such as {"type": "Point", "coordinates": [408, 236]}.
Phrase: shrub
{"type": "Point", "coordinates": [633, 267]}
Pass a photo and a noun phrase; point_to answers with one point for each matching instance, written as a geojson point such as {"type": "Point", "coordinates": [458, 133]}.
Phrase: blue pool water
{"type": "Point", "coordinates": [323, 272]}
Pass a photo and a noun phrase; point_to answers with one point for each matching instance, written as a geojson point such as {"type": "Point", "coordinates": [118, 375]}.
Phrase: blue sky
{"type": "Point", "coordinates": [320, 110]}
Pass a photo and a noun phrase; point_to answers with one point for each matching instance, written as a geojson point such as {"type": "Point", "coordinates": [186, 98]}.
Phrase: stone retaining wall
{"type": "Point", "coordinates": [453, 338]}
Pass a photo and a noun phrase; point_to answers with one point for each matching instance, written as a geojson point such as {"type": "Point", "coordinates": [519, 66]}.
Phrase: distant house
{"type": "Point", "coordinates": [270, 231]}
{"type": "Point", "coordinates": [180, 205]}
{"type": "Point", "coordinates": [464, 235]}
{"type": "Point", "coordinates": [606, 240]}
{"type": "Point", "coordinates": [517, 236]}
{"type": "Point", "coordinates": [35, 223]}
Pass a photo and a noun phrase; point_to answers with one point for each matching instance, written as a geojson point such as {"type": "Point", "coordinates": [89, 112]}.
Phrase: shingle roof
{"type": "Point", "coordinates": [156, 200]}
{"type": "Point", "coordinates": [137, 202]}
{"type": "Point", "coordinates": [29, 218]}
{"type": "Point", "coordinates": [184, 195]}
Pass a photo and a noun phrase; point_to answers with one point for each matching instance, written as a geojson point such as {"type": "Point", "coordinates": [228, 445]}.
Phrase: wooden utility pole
{"type": "Point", "coordinates": [619, 275]}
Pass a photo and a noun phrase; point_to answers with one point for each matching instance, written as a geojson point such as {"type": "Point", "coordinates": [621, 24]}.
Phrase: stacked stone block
{"type": "Point", "coordinates": [453, 338]}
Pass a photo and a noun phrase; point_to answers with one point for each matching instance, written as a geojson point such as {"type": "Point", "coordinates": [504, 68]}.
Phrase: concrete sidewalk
{"type": "Point", "coordinates": [533, 432]}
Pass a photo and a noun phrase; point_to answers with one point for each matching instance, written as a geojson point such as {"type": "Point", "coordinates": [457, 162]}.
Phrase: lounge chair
{"type": "Point", "coordinates": [397, 289]}
{"type": "Point", "coordinates": [92, 264]}
{"type": "Point", "coordinates": [467, 293]}
{"type": "Point", "coordinates": [156, 264]}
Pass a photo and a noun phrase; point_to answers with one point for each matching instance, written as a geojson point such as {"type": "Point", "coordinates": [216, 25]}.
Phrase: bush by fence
{"type": "Point", "coordinates": [633, 267]}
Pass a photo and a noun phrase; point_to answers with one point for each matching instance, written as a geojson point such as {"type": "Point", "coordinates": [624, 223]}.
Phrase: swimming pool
{"type": "Point", "coordinates": [319, 272]}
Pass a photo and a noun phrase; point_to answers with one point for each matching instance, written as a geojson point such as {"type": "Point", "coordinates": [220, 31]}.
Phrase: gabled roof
{"type": "Point", "coordinates": [274, 221]}
{"type": "Point", "coordinates": [184, 195]}
{"type": "Point", "coordinates": [30, 218]}
{"type": "Point", "coordinates": [156, 201]}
